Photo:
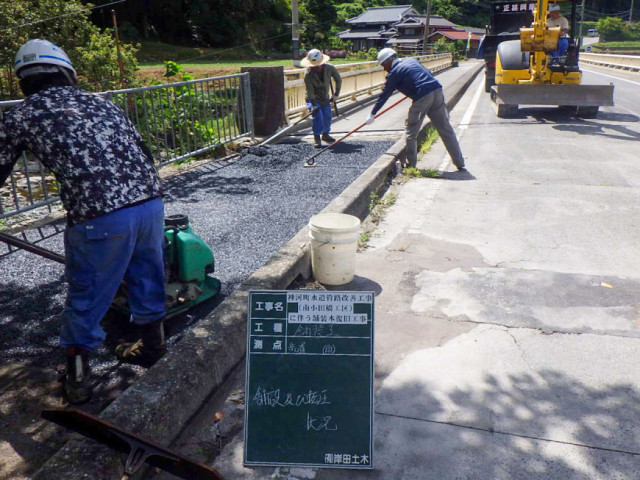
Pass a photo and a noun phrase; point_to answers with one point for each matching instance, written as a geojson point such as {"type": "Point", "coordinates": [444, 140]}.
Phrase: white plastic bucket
{"type": "Point", "coordinates": [334, 241]}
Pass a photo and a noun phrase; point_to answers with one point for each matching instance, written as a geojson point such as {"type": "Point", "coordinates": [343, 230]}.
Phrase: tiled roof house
{"type": "Point", "coordinates": [373, 27]}
{"type": "Point", "coordinates": [400, 27]}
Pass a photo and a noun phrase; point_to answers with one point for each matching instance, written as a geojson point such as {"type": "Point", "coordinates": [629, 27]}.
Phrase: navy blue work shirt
{"type": "Point", "coordinates": [407, 76]}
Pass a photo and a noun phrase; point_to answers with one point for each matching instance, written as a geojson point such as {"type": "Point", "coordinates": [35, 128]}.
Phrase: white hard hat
{"type": "Point", "coordinates": [554, 7]}
{"type": "Point", "coordinates": [385, 54]}
{"type": "Point", "coordinates": [314, 58]}
{"type": "Point", "coordinates": [41, 53]}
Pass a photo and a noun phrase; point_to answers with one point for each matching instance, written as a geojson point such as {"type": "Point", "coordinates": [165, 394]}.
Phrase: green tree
{"type": "Point", "coordinates": [318, 16]}
{"type": "Point", "coordinates": [611, 28]}
{"type": "Point", "coordinates": [65, 23]}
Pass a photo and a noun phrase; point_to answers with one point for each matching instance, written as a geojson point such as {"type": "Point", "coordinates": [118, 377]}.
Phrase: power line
{"type": "Point", "coordinates": [232, 48]}
{"type": "Point", "coordinates": [61, 16]}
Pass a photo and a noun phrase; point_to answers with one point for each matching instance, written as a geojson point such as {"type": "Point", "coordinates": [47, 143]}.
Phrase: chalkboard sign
{"type": "Point", "coordinates": [309, 386]}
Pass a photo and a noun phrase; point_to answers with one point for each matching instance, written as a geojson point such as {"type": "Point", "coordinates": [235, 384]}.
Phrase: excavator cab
{"type": "Point", "coordinates": [530, 71]}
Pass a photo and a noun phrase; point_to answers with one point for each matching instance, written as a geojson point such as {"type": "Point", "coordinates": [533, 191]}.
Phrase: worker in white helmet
{"type": "Point", "coordinates": [112, 193]}
{"type": "Point", "coordinates": [416, 82]}
{"type": "Point", "coordinates": [320, 93]}
{"type": "Point", "coordinates": [554, 19]}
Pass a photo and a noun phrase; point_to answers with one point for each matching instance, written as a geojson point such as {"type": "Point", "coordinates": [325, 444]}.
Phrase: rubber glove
{"type": "Point", "coordinates": [370, 119]}
{"type": "Point", "coordinates": [334, 98]}
{"type": "Point", "coordinates": [310, 106]}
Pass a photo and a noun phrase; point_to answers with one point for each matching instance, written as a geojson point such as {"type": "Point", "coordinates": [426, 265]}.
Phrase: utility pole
{"type": "Point", "coordinates": [631, 12]}
{"type": "Point", "coordinates": [582, 20]}
{"type": "Point", "coordinates": [427, 28]}
{"type": "Point", "coordinates": [295, 34]}
{"type": "Point", "coordinates": [123, 73]}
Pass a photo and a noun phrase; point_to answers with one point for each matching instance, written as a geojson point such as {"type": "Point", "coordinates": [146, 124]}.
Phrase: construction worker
{"type": "Point", "coordinates": [556, 20]}
{"type": "Point", "coordinates": [416, 82]}
{"type": "Point", "coordinates": [112, 193]}
{"type": "Point", "coordinates": [320, 94]}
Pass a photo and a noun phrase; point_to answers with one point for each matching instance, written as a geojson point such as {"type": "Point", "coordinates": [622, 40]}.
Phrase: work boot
{"type": "Point", "coordinates": [78, 384]}
{"type": "Point", "coordinates": [328, 138]}
{"type": "Point", "coordinates": [317, 142]}
{"type": "Point", "coordinates": [149, 348]}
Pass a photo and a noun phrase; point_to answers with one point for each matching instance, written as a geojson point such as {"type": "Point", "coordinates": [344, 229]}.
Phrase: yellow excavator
{"type": "Point", "coordinates": [532, 71]}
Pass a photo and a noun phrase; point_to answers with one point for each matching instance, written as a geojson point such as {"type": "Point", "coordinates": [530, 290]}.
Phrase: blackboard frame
{"type": "Point", "coordinates": [310, 402]}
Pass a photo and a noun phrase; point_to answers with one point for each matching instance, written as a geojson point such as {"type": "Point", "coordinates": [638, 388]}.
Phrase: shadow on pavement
{"type": "Point", "coordinates": [600, 129]}
{"type": "Point", "coordinates": [543, 426]}
{"type": "Point", "coordinates": [458, 175]}
{"type": "Point", "coordinates": [618, 117]}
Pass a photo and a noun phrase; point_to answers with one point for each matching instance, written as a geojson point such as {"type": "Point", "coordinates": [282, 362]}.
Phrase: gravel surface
{"type": "Point", "coordinates": [245, 208]}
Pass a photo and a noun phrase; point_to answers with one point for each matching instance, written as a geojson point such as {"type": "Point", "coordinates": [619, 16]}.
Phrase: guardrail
{"type": "Point", "coordinates": [176, 120]}
{"type": "Point", "coordinates": [357, 79]}
{"type": "Point", "coordinates": [624, 62]}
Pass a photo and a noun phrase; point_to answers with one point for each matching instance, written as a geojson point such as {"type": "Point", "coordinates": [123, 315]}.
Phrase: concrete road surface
{"type": "Point", "coordinates": [508, 318]}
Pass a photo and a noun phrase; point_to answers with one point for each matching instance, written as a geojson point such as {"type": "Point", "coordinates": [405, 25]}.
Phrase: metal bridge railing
{"type": "Point", "coordinates": [176, 120]}
{"type": "Point", "coordinates": [357, 79]}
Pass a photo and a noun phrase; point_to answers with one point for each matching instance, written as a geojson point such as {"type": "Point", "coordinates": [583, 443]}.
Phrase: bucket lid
{"type": "Point", "coordinates": [334, 222]}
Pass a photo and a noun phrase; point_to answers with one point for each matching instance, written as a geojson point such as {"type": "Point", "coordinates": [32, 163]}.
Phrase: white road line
{"type": "Point", "coordinates": [464, 123]}
{"type": "Point", "coordinates": [466, 119]}
{"type": "Point", "coordinates": [611, 76]}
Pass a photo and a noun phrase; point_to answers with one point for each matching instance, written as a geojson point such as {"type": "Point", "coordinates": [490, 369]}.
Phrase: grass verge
{"type": "Point", "coordinates": [432, 136]}
{"type": "Point", "coordinates": [411, 172]}
{"type": "Point", "coordinates": [377, 209]}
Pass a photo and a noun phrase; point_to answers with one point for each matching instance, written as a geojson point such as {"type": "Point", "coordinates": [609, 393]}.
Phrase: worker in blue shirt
{"type": "Point", "coordinates": [416, 82]}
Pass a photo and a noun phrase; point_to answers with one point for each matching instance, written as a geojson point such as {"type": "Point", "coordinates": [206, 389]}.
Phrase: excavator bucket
{"type": "Point", "coordinates": [583, 99]}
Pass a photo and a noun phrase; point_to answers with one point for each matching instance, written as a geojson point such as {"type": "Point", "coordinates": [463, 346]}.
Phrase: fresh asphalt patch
{"type": "Point", "coordinates": [245, 208]}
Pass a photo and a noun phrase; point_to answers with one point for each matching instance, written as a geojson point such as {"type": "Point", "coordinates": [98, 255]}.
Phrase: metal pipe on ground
{"type": "Point", "coordinates": [286, 129]}
{"type": "Point", "coordinates": [30, 247]}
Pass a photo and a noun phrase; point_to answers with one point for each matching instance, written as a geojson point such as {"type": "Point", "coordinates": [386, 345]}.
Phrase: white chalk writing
{"type": "Point", "coordinates": [320, 423]}
{"type": "Point", "coordinates": [310, 330]}
{"type": "Point", "coordinates": [275, 398]}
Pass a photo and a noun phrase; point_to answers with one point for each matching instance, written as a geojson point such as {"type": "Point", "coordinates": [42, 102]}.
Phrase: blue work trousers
{"type": "Point", "coordinates": [321, 120]}
{"type": "Point", "coordinates": [563, 46]}
{"type": "Point", "coordinates": [125, 244]}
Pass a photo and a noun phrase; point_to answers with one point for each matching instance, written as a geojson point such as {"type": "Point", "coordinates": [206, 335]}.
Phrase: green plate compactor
{"type": "Point", "coordinates": [189, 264]}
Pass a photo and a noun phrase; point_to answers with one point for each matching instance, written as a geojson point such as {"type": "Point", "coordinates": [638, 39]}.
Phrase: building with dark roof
{"type": "Point", "coordinates": [400, 27]}
{"type": "Point", "coordinates": [372, 28]}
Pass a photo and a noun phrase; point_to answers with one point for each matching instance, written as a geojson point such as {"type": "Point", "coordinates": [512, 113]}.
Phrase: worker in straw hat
{"type": "Point", "coordinates": [320, 93]}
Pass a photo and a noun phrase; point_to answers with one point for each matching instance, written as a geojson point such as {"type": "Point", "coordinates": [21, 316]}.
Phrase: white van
{"type": "Point", "coordinates": [592, 32]}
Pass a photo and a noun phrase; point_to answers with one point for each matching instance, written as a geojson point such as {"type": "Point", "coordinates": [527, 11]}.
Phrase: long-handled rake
{"type": "Point", "coordinates": [310, 162]}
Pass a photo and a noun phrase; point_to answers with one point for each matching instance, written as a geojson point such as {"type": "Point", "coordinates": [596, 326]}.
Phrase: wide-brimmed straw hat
{"type": "Point", "coordinates": [315, 58]}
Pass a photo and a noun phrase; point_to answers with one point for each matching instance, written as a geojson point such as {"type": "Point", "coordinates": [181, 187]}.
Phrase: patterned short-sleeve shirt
{"type": "Point", "coordinates": [92, 148]}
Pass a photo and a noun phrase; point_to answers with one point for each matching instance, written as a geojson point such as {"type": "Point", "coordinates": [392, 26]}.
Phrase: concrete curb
{"type": "Point", "coordinates": [167, 396]}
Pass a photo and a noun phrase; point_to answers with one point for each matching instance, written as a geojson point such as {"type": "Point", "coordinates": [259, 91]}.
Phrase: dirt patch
{"type": "Point", "coordinates": [26, 441]}
{"type": "Point", "coordinates": [147, 75]}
